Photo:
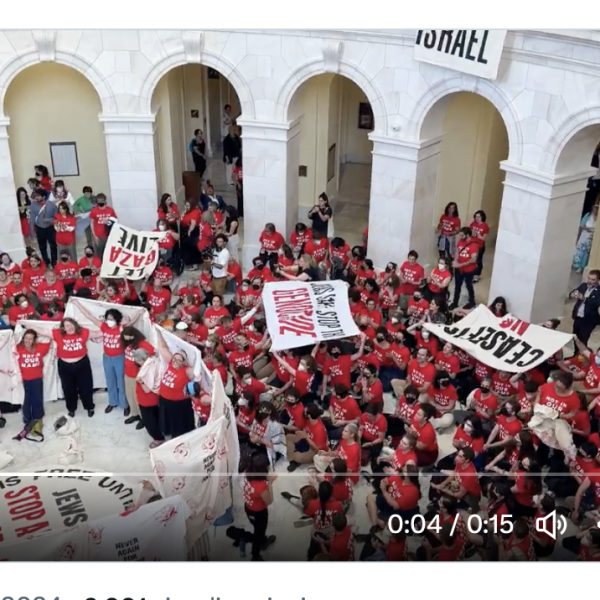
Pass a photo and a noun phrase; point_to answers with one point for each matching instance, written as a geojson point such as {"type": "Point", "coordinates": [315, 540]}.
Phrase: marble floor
{"type": "Point", "coordinates": [110, 445]}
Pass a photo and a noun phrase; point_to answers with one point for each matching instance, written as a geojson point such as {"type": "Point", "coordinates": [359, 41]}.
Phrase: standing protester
{"type": "Point", "coordinates": [465, 263]}
{"type": "Point", "coordinates": [100, 216]}
{"type": "Point", "coordinates": [321, 215]}
{"type": "Point", "coordinates": [586, 315]}
{"type": "Point", "coordinates": [198, 150]}
{"type": "Point", "coordinates": [42, 223]}
{"type": "Point", "coordinates": [219, 265]}
{"type": "Point", "coordinates": [64, 225]}
{"type": "Point", "coordinates": [81, 209]}
{"type": "Point", "coordinates": [232, 148]}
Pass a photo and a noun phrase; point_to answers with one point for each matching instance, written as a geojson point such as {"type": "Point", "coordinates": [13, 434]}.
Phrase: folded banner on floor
{"type": "Point", "coordinates": [303, 313]}
{"type": "Point", "coordinates": [195, 467]}
{"type": "Point", "coordinates": [130, 253]}
{"type": "Point", "coordinates": [504, 343]}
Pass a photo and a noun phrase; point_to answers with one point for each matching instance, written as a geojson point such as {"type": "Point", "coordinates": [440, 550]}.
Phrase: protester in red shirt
{"type": "Point", "coordinates": [480, 230]}
{"type": "Point", "coordinates": [341, 543]}
{"type": "Point", "coordinates": [420, 373]}
{"type": "Point", "coordinates": [560, 396]}
{"type": "Point", "coordinates": [317, 247]}
{"type": "Point", "coordinates": [322, 511]}
{"type": "Point", "coordinates": [64, 225]}
{"type": "Point", "coordinates": [439, 279]}
{"type": "Point", "coordinates": [100, 217]}
{"type": "Point", "coordinates": [16, 287]}
{"type": "Point", "coordinates": [446, 360]}
{"type": "Point", "coordinates": [22, 309]}
{"type": "Point", "coordinates": [338, 366]}
{"type": "Point", "coordinates": [67, 271]}
{"type": "Point", "coordinates": [427, 446]}
{"type": "Point", "coordinates": [412, 275]}
{"type": "Point", "coordinates": [370, 386]}
{"type": "Point", "coordinates": [158, 297]}
{"type": "Point", "coordinates": [89, 261]}
{"type": "Point", "coordinates": [304, 445]}
{"type": "Point", "coordinates": [87, 282]}
{"type": "Point", "coordinates": [299, 237]}
{"type": "Point", "coordinates": [443, 396]}
{"type": "Point", "coordinates": [527, 484]}
{"type": "Point", "coordinates": [33, 275]}
{"type": "Point", "coordinates": [30, 360]}
{"type": "Point", "coordinates": [507, 425]}
{"type": "Point", "coordinates": [465, 478]}
{"type": "Point", "coordinates": [465, 265]}
{"type": "Point", "coordinates": [51, 290]}
{"type": "Point", "coordinates": [215, 312]}
{"type": "Point", "coordinates": [373, 427]}
{"type": "Point", "coordinates": [270, 242]}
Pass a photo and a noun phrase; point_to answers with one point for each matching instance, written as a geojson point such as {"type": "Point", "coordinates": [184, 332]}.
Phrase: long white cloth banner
{"type": "Point", "coordinates": [302, 313]}
{"type": "Point", "coordinates": [473, 51]}
{"type": "Point", "coordinates": [504, 343]}
{"type": "Point", "coordinates": [130, 253]}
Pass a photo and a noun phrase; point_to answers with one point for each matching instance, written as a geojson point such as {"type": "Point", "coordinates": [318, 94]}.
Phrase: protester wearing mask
{"type": "Point", "coordinates": [167, 243]}
{"type": "Point", "coordinates": [100, 217]}
{"type": "Point", "coordinates": [412, 276]}
{"type": "Point", "coordinates": [485, 404]}
{"type": "Point", "coordinates": [507, 426]}
{"type": "Point", "coordinates": [299, 238]}
{"type": "Point", "coordinates": [338, 366]}
{"type": "Point", "coordinates": [439, 279]}
{"type": "Point", "coordinates": [90, 261]}
{"type": "Point", "coordinates": [443, 396]}
{"type": "Point", "coordinates": [21, 310]}
{"type": "Point", "coordinates": [417, 307]}
{"type": "Point", "coordinates": [67, 272]}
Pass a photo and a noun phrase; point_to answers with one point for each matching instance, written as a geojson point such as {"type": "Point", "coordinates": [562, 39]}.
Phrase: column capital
{"type": "Point", "coordinates": [119, 124]}
{"type": "Point", "coordinates": [547, 185]}
{"type": "Point", "coordinates": [278, 131]}
{"type": "Point", "coordinates": [405, 149]}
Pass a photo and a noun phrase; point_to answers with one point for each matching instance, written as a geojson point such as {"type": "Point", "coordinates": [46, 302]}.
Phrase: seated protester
{"type": "Point", "coordinates": [507, 426]}
{"type": "Point", "coordinates": [467, 435]}
{"type": "Point", "coordinates": [21, 310]}
{"type": "Point", "coordinates": [299, 237]}
{"type": "Point", "coordinates": [301, 377]}
{"type": "Point", "coordinates": [446, 360]}
{"type": "Point", "coordinates": [398, 496]}
{"type": "Point", "coordinates": [370, 291]}
{"type": "Point", "coordinates": [590, 377]}
{"type": "Point", "coordinates": [427, 446]}
{"type": "Point", "coordinates": [340, 546]}
{"type": "Point", "coordinates": [543, 543]}
{"type": "Point", "coordinates": [461, 483]}
{"type": "Point", "coordinates": [343, 410]}
{"type": "Point", "coordinates": [242, 356]}
{"type": "Point", "coordinates": [266, 433]}
{"type": "Point", "coordinates": [34, 274]}
{"type": "Point", "coordinates": [485, 404]}
{"type": "Point", "coordinates": [389, 297]}
{"type": "Point", "coordinates": [439, 279]}
{"type": "Point", "coordinates": [587, 497]}
{"type": "Point", "coordinates": [302, 446]}
{"type": "Point", "coordinates": [482, 371]}
{"type": "Point", "coordinates": [245, 413]}
{"type": "Point", "coordinates": [322, 510]}
{"type": "Point", "coordinates": [515, 451]}
{"type": "Point", "coordinates": [306, 270]}
{"type": "Point", "coordinates": [228, 332]}
{"type": "Point", "coordinates": [581, 426]}
{"type": "Point", "coordinates": [405, 453]}
{"type": "Point", "coordinates": [337, 473]}
{"type": "Point", "coordinates": [205, 282]}
{"type": "Point", "coordinates": [395, 324]}
{"type": "Point", "coordinates": [505, 385]}
{"type": "Point", "coordinates": [365, 328]}
{"type": "Point", "coordinates": [420, 373]}
{"type": "Point", "coordinates": [372, 313]}
{"type": "Point", "coordinates": [369, 357]}
{"type": "Point", "coordinates": [443, 397]}
{"type": "Point", "coordinates": [317, 247]}
{"type": "Point", "coordinates": [158, 297]}
{"type": "Point", "coordinates": [51, 290]}
{"type": "Point", "coordinates": [217, 362]}
{"type": "Point", "coordinates": [561, 396]}
{"type": "Point", "coordinates": [373, 427]}
{"type": "Point", "coordinates": [90, 261]}
{"type": "Point", "coordinates": [234, 272]}
{"type": "Point", "coordinates": [424, 339]}
{"type": "Point", "coordinates": [201, 403]}
{"type": "Point", "coordinates": [53, 313]}
{"type": "Point", "coordinates": [197, 332]}
{"type": "Point", "coordinates": [291, 415]}
{"type": "Point", "coordinates": [527, 398]}
{"type": "Point", "coordinates": [357, 306]}
{"type": "Point", "coordinates": [450, 548]}
{"type": "Point", "coordinates": [247, 295]}
{"type": "Point", "coordinates": [382, 348]}
{"type": "Point", "coordinates": [67, 272]}
{"type": "Point", "coordinates": [338, 366]}
{"type": "Point", "coordinates": [348, 451]}
{"type": "Point", "coordinates": [412, 276]}
{"type": "Point", "coordinates": [257, 274]}
{"type": "Point", "coordinates": [416, 308]}
{"type": "Point", "coordinates": [400, 356]}
{"type": "Point", "coordinates": [519, 545]}
{"type": "Point", "coordinates": [193, 288]}
{"type": "Point", "coordinates": [110, 293]}
{"type": "Point", "coordinates": [365, 272]}
{"type": "Point", "coordinates": [438, 313]}
{"type": "Point", "coordinates": [163, 273]}
{"type": "Point", "coordinates": [369, 386]}
{"type": "Point", "coordinates": [187, 306]}
{"type": "Point", "coordinates": [585, 544]}
{"type": "Point", "coordinates": [215, 312]}
{"type": "Point", "coordinates": [270, 243]}
{"type": "Point", "coordinates": [340, 253]}
{"type": "Point", "coordinates": [4, 286]}
{"type": "Point", "coordinates": [527, 478]}
{"type": "Point", "coordinates": [404, 413]}
{"type": "Point", "coordinates": [245, 384]}
{"type": "Point", "coordinates": [87, 281]}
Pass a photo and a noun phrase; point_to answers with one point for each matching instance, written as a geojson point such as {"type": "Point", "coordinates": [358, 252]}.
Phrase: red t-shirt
{"type": "Point", "coordinates": [145, 399]}
{"type": "Point", "coordinates": [163, 274]}
{"type": "Point", "coordinates": [303, 382]}
{"type": "Point", "coordinates": [475, 443]}
{"type": "Point", "coordinates": [61, 223]}
{"type": "Point", "coordinates": [94, 264]}
{"type": "Point", "coordinates": [33, 277]}
{"type": "Point", "coordinates": [420, 375]}
{"type": "Point", "coordinates": [338, 370]}
{"type": "Point", "coordinates": [449, 363]}
{"type": "Point", "coordinates": [296, 414]}
{"type": "Point", "coordinates": [159, 301]}
{"type": "Point", "coordinates": [563, 404]}
{"type": "Point", "coordinates": [342, 546]}
{"type": "Point", "coordinates": [444, 396]}
{"type": "Point", "coordinates": [406, 495]}
{"type": "Point", "coordinates": [31, 362]}
{"type": "Point", "coordinates": [100, 216]}
{"type": "Point", "coordinates": [426, 435]}
{"type": "Point", "coordinates": [193, 215]}
{"type": "Point", "coordinates": [464, 251]}
{"type": "Point", "coordinates": [482, 405]}
{"type": "Point", "coordinates": [173, 383]}
{"type": "Point", "coordinates": [298, 240]}
{"type": "Point", "coordinates": [374, 391]}
{"type": "Point", "coordinates": [317, 433]}
{"type": "Point", "coordinates": [241, 359]}
{"type": "Point", "coordinates": [481, 371]}
{"type": "Point", "coordinates": [396, 551]}
{"type": "Point", "coordinates": [167, 242]}
{"type": "Point", "coordinates": [252, 494]}
{"type": "Point", "coordinates": [502, 387]}
{"type": "Point", "coordinates": [72, 346]}
{"type": "Point", "coordinates": [524, 493]}
{"type": "Point", "coordinates": [344, 410]}
{"type": "Point", "coordinates": [449, 225]}
{"type": "Point", "coordinates": [402, 458]}
{"type": "Point", "coordinates": [468, 478]}
{"type": "Point", "coordinates": [371, 430]}
{"type": "Point", "coordinates": [318, 250]}
{"type": "Point", "coordinates": [478, 229]}
{"type": "Point", "coordinates": [47, 293]}
{"type": "Point", "coordinates": [271, 242]}
{"type": "Point", "coordinates": [227, 335]}
{"type": "Point", "coordinates": [16, 313]}
{"type": "Point", "coordinates": [67, 272]}
{"type": "Point", "coordinates": [412, 275]}
{"type": "Point", "coordinates": [417, 309]}
{"type": "Point", "coordinates": [508, 428]}
{"type": "Point", "coordinates": [213, 316]}
{"type": "Point", "coordinates": [437, 277]}
{"type": "Point", "coordinates": [111, 339]}
{"type": "Point", "coordinates": [351, 454]}
{"type": "Point", "coordinates": [131, 369]}
{"type": "Point", "coordinates": [323, 515]}
{"type": "Point", "coordinates": [254, 386]}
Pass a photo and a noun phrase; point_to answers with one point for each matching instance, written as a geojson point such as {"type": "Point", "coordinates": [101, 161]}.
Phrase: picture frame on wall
{"type": "Point", "coordinates": [365, 116]}
{"type": "Point", "coordinates": [65, 162]}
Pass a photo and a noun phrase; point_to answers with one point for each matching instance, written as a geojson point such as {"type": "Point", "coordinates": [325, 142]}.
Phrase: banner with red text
{"type": "Point", "coordinates": [302, 313]}
{"type": "Point", "coordinates": [503, 343]}
{"type": "Point", "coordinates": [130, 253]}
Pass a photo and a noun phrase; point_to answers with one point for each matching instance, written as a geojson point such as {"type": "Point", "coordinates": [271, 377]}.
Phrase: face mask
{"type": "Point", "coordinates": [425, 335]}
{"type": "Point", "coordinates": [362, 327]}
{"type": "Point", "coordinates": [60, 190]}
{"type": "Point", "coordinates": [394, 320]}
{"type": "Point", "coordinates": [64, 258]}
{"type": "Point", "coordinates": [367, 350]}
{"type": "Point", "coordinates": [291, 400]}
{"type": "Point", "coordinates": [335, 353]}
{"type": "Point", "coordinates": [485, 390]}
{"type": "Point", "coordinates": [411, 399]}
{"type": "Point", "coordinates": [89, 254]}
{"type": "Point", "coordinates": [255, 286]}
{"type": "Point", "coordinates": [597, 360]}
{"type": "Point", "coordinates": [444, 383]}
{"type": "Point", "coordinates": [111, 323]}
{"type": "Point", "coordinates": [243, 402]}
{"type": "Point", "coordinates": [162, 227]}
{"type": "Point", "coordinates": [24, 304]}
{"type": "Point", "coordinates": [260, 267]}
{"type": "Point", "coordinates": [441, 266]}
{"type": "Point", "coordinates": [417, 298]}
{"type": "Point", "coordinates": [367, 375]}
{"type": "Point", "coordinates": [388, 269]}
{"type": "Point", "coordinates": [380, 338]}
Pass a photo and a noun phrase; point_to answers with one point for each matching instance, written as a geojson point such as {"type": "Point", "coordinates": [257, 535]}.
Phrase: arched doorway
{"type": "Point", "coordinates": [334, 153]}
{"type": "Point", "coordinates": [53, 111]}
{"type": "Point", "coordinates": [187, 98]}
{"type": "Point", "coordinates": [474, 140]}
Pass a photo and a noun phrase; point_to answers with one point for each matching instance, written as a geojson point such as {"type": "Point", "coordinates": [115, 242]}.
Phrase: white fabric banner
{"type": "Point", "coordinates": [194, 466]}
{"type": "Point", "coordinates": [130, 253]}
{"type": "Point", "coordinates": [11, 390]}
{"type": "Point", "coordinates": [473, 51]}
{"type": "Point", "coordinates": [302, 313]}
{"type": "Point", "coordinates": [504, 343]}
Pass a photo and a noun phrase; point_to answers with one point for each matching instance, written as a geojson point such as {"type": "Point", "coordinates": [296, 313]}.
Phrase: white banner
{"type": "Point", "coordinates": [130, 253]}
{"type": "Point", "coordinates": [36, 505]}
{"type": "Point", "coordinates": [504, 343]}
{"type": "Point", "coordinates": [302, 313]}
{"type": "Point", "coordinates": [194, 466]}
{"type": "Point", "coordinates": [473, 51]}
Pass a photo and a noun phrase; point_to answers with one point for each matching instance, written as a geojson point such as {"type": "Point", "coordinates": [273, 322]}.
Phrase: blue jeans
{"type": "Point", "coordinates": [33, 403]}
{"type": "Point", "coordinates": [114, 371]}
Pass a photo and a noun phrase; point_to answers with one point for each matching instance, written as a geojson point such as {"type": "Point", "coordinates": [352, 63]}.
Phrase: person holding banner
{"type": "Point", "coordinates": [175, 405]}
{"type": "Point", "coordinates": [100, 216]}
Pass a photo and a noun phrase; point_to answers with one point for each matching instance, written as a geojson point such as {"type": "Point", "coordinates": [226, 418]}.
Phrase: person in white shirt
{"type": "Point", "coordinates": [226, 120]}
{"type": "Point", "coordinates": [219, 265]}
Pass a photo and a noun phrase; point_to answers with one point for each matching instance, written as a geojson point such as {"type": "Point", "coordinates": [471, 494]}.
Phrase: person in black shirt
{"type": "Point", "coordinates": [232, 150]}
{"type": "Point", "coordinates": [198, 148]}
{"type": "Point", "coordinates": [586, 312]}
{"type": "Point", "coordinates": [320, 215]}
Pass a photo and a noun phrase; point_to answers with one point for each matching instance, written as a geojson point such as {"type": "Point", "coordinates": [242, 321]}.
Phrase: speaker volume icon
{"type": "Point", "coordinates": [552, 524]}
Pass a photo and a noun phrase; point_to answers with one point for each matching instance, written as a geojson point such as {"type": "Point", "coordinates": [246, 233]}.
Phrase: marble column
{"type": "Point", "coordinates": [271, 154]}
{"type": "Point", "coordinates": [11, 238]}
{"type": "Point", "coordinates": [132, 168]}
{"type": "Point", "coordinates": [536, 239]}
{"type": "Point", "coordinates": [403, 195]}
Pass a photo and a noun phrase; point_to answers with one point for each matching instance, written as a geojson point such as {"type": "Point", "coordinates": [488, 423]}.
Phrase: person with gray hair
{"type": "Point", "coordinates": [146, 391]}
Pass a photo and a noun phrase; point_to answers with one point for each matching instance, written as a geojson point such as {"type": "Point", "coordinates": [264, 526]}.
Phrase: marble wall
{"type": "Point", "coordinates": [546, 92]}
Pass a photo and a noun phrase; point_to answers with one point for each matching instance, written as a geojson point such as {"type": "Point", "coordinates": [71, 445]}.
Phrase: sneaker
{"type": "Point", "coordinates": [289, 497]}
{"type": "Point", "coordinates": [269, 541]}
{"type": "Point", "coordinates": [293, 466]}
{"type": "Point", "coordinates": [109, 409]}
{"type": "Point", "coordinates": [131, 420]}
{"type": "Point", "coordinates": [71, 413]}
{"type": "Point", "coordinates": [90, 413]}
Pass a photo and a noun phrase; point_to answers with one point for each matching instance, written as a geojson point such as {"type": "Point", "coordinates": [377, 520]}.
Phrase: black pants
{"type": "Point", "coordinates": [176, 417]}
{"type": "Point", "coordinates": [151, 419]}
{"type": "Point", "coordinates": [259, 520]}
{"type": "Point", "coordinates": [467, 279]}
{"type": "Point", "coordinates": [33, 403]}
{"type": "Point", "coordinates": [199, 164]}
{"type": "Point", "coordinates": [583, 329]}
{"type": "Point", "coordinates": [479, 269]}
{"type": "Point", "coordinates": [46, 236]}
{"type": "Point", "coordinates": [76, 381]}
